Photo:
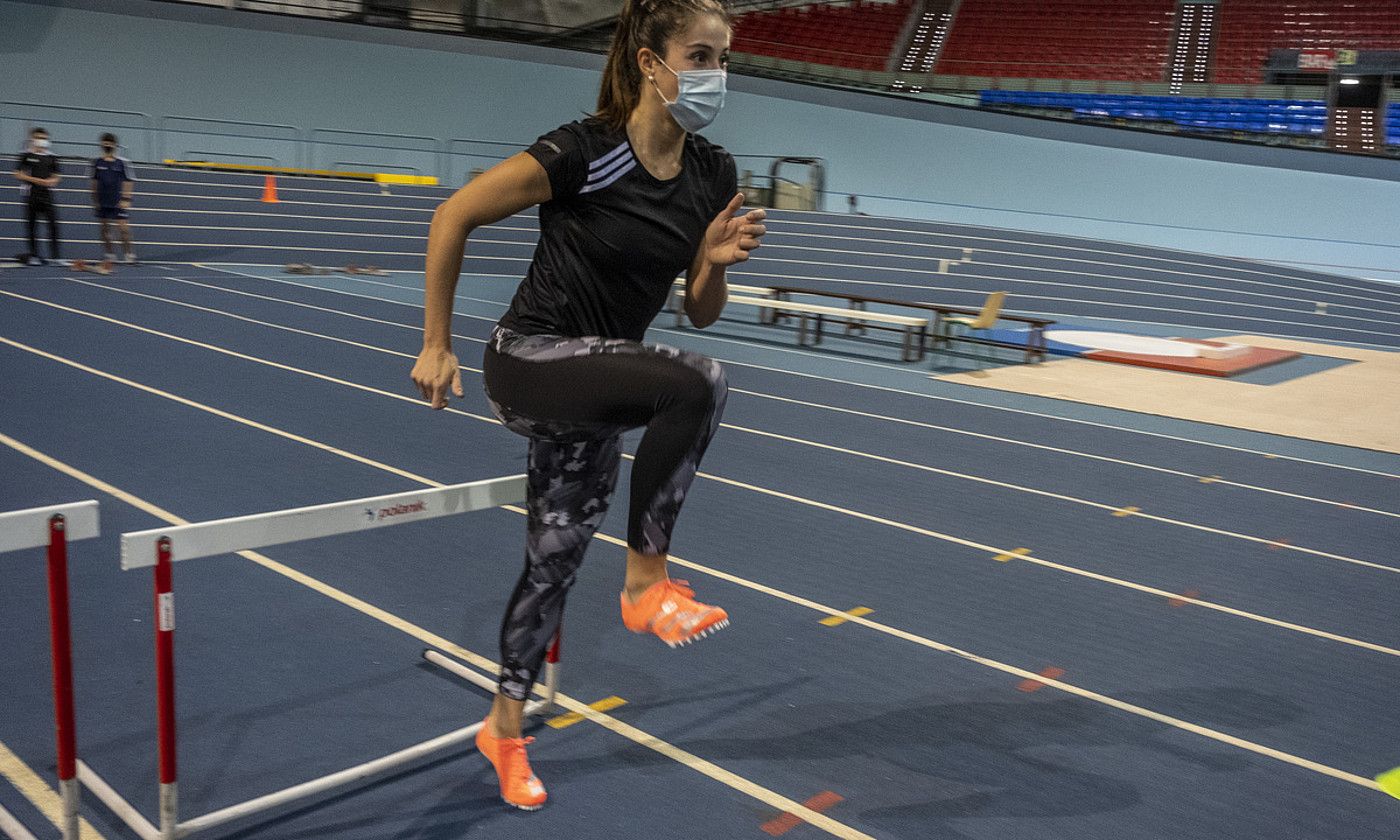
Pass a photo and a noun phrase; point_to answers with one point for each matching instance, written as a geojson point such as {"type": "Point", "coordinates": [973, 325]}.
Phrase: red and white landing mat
{"type": "Point", "coordinates": [1188, 355]}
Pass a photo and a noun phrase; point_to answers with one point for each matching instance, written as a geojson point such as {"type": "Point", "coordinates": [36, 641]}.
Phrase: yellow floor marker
{"type": "Point", "coordinates": [833, 620]}
{"type": "Point", "coordinates": [38, 792]}
{"type": "Point", "coordinates": [1012, 555]}
{"type": "Point", "coordinates": [1127, 511]}
{"type": "Point", "coordinates": [572, 718]}
{"type": "Point", "coordinates": [1209, 479]}
{"type": "Point", "coordinates": [1390, 782]}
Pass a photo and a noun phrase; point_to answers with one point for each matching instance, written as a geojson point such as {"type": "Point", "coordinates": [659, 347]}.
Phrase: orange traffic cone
{"type": "Point", "coordinates": [270, 190]}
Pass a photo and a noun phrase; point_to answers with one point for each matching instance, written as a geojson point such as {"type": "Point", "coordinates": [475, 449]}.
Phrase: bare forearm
{"type": "Point", "coordinates": [706, 293]}
{"type": "Point", "coordinates": [447, 237]}
{"type": "Point", "coordinates": [503, 190]}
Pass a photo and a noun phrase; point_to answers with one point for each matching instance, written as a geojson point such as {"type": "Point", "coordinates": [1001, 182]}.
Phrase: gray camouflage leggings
{"type": "Point", "coordinates": [573, 398]}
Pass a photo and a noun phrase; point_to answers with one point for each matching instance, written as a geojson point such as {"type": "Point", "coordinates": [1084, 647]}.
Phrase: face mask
{"type": "Point", "coordinates": [41, 143]}
{"type": "Point", "coordinates": [107, 150]}
{"type": "Point", "coordinates": [699, 96]}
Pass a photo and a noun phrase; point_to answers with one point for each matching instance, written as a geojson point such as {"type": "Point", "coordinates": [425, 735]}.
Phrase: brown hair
{"type": "Point", "coordinates": [643, 23]}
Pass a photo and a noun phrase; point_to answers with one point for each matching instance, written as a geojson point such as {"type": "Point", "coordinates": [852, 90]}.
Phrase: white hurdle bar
{"type": "Point", "coordinates": [13, 828]}
{"type": "Point", "coordinates": [161, 547]}
{"type": "Point", "coordinates": [54, 527]}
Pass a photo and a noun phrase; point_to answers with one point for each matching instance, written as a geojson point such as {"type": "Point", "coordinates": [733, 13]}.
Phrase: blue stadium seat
{"type": "Point", "coordinates": [1273, 116]}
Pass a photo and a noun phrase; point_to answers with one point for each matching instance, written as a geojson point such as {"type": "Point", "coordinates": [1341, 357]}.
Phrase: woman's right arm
{"type": "Point", "coordinates": [513, 185]}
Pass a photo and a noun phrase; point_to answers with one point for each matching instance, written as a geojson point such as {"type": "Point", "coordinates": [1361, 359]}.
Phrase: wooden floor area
{"type": "Point", "coordinates": [1356, 404]}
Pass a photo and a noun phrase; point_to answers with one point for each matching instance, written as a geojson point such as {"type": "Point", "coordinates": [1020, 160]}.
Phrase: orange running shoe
{"type": "Point", "coordinates": [668, 608]}
{"type": "Point", "coordinates": [519, 787]}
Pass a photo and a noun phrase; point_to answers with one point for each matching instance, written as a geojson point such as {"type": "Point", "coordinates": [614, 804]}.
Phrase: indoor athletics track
{"type": "Point", "coordinates": [956, 613]}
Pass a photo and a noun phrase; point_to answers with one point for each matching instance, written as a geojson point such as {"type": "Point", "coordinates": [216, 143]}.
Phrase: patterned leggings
{"type": "Point", "coordinates": [573, 398]}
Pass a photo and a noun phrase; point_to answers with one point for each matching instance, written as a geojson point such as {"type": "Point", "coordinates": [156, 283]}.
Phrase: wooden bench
{"type": "Point", "coordinates": [915, 330]}
{"type": "Point", "coordinates": [676, 302]}
{"type": "Point", "coordinates": [1034, 346]}
{"type": "Point", "coordinates": [771, 309]}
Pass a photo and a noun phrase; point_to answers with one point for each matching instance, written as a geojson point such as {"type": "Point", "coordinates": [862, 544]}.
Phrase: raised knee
{"type": "Point", "coordinates": [702, 393]}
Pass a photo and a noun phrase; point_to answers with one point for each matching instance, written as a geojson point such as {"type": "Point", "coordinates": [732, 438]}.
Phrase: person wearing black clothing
{"type": "Point", "coordinates": [37, 169]}
{"type": "Point", "coordinates": [629, 198]}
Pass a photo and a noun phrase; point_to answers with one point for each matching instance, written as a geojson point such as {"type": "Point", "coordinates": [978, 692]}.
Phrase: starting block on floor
{"type": "Point", "coordinates": [161, 547]}
{"type": "Point", "coordinates": [54, 527]}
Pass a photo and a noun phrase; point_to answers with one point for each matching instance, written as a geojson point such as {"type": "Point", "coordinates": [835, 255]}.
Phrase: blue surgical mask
{"type": "Point", "coordinates": [699, 97]}
{"type": "Point", "coordinates": [41, 144]}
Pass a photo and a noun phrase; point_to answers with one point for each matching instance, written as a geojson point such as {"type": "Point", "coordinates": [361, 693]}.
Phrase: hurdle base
{"type": "Point", "coordinates": [343, 778]}
{"type": "Point", "coordinates": [547, 689]}
{"type": "Point", "coordinates": [115, 803]}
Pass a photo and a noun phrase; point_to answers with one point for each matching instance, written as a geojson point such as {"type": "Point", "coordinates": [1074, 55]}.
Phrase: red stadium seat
{"type": "Point", "coordinates": [860, 36]}
{"type": "Point", "coordinates": [1124, 39]}
{"type": "Point", "coordinates": [1247, 31]}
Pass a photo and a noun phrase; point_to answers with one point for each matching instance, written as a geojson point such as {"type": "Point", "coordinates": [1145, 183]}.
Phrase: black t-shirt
{"type": "Point", "coordinates": [37, 165]}
{"type": "Point", "coordinates": [613, 237]}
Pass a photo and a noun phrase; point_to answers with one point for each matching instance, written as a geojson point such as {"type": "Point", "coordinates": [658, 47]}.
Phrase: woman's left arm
{"type": "Point", "coordinates": [728, 240]}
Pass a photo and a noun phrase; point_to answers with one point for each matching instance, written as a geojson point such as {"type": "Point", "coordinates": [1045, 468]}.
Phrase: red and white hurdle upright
{"type": "Point", "coordinates": [162, 547]}
{"type": "Point", "coordinates": [54, 527]}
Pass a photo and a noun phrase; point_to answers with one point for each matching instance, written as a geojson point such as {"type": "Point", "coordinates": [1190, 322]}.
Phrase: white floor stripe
{"type": "Point", "coordinates": [786, 438]}
{"type": "Point", "coordinates": [852, 412]}
{"type": "Point", "coordinates": [976, 234]}
{"type": "Point", "coordinates": [853, 383]}
{"type": "Point", "coordinates": [632, 733]}
{"type": "Point", "coordinates": [389, 618]}
{"type": "Point", "coordinates": [992, 550]}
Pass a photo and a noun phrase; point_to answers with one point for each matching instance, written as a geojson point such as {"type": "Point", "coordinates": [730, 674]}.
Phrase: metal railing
{"type": "Point", "coordinates": [209, 157]}
{"type": "Point", "coordinates": [452, 161]}
{"type": "Point", "coordinates": [278, 142]}
{"type": "Point", "coordinates": [17, 118]}
{"type": "Point", "coordinates": [415, 152]}
{"type": "Point", "coordinates": [75, 130]}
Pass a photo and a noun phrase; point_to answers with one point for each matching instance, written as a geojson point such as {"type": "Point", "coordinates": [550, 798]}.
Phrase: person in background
{"type": "Point", "coordinates": [38, 172]}
{"type": "Point", "coordinates": [112, 181]}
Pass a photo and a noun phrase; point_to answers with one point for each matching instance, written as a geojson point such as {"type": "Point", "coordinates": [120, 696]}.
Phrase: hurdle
{"type": "Point", "coordinates": [54, 527]}
{"type": "Point", "coordinates": [160, 548]}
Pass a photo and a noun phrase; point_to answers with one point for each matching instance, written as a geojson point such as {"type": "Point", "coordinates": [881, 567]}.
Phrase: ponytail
{"type": "Point", "coordinates": [642, 23]}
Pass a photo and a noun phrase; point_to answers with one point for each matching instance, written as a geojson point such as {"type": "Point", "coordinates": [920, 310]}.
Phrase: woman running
{"type": "Point", "coordinates": [629, 198]}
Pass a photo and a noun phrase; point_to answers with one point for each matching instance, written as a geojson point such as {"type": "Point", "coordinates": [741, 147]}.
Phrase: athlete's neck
{"type": "Point", "coordinates": [656, 139]}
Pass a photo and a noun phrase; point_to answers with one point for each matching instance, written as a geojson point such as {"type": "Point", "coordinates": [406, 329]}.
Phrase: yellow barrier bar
{"type": "Point", "coordinates": [376, 177]}
{"type": "Point", "coordinates": [413, 180]}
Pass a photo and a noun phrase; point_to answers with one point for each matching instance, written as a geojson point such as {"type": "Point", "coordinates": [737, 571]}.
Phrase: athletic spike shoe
{"type": "Point", "coordinates": [519, 787]}
{"type": "Point", "coordinates": [668, 608]}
